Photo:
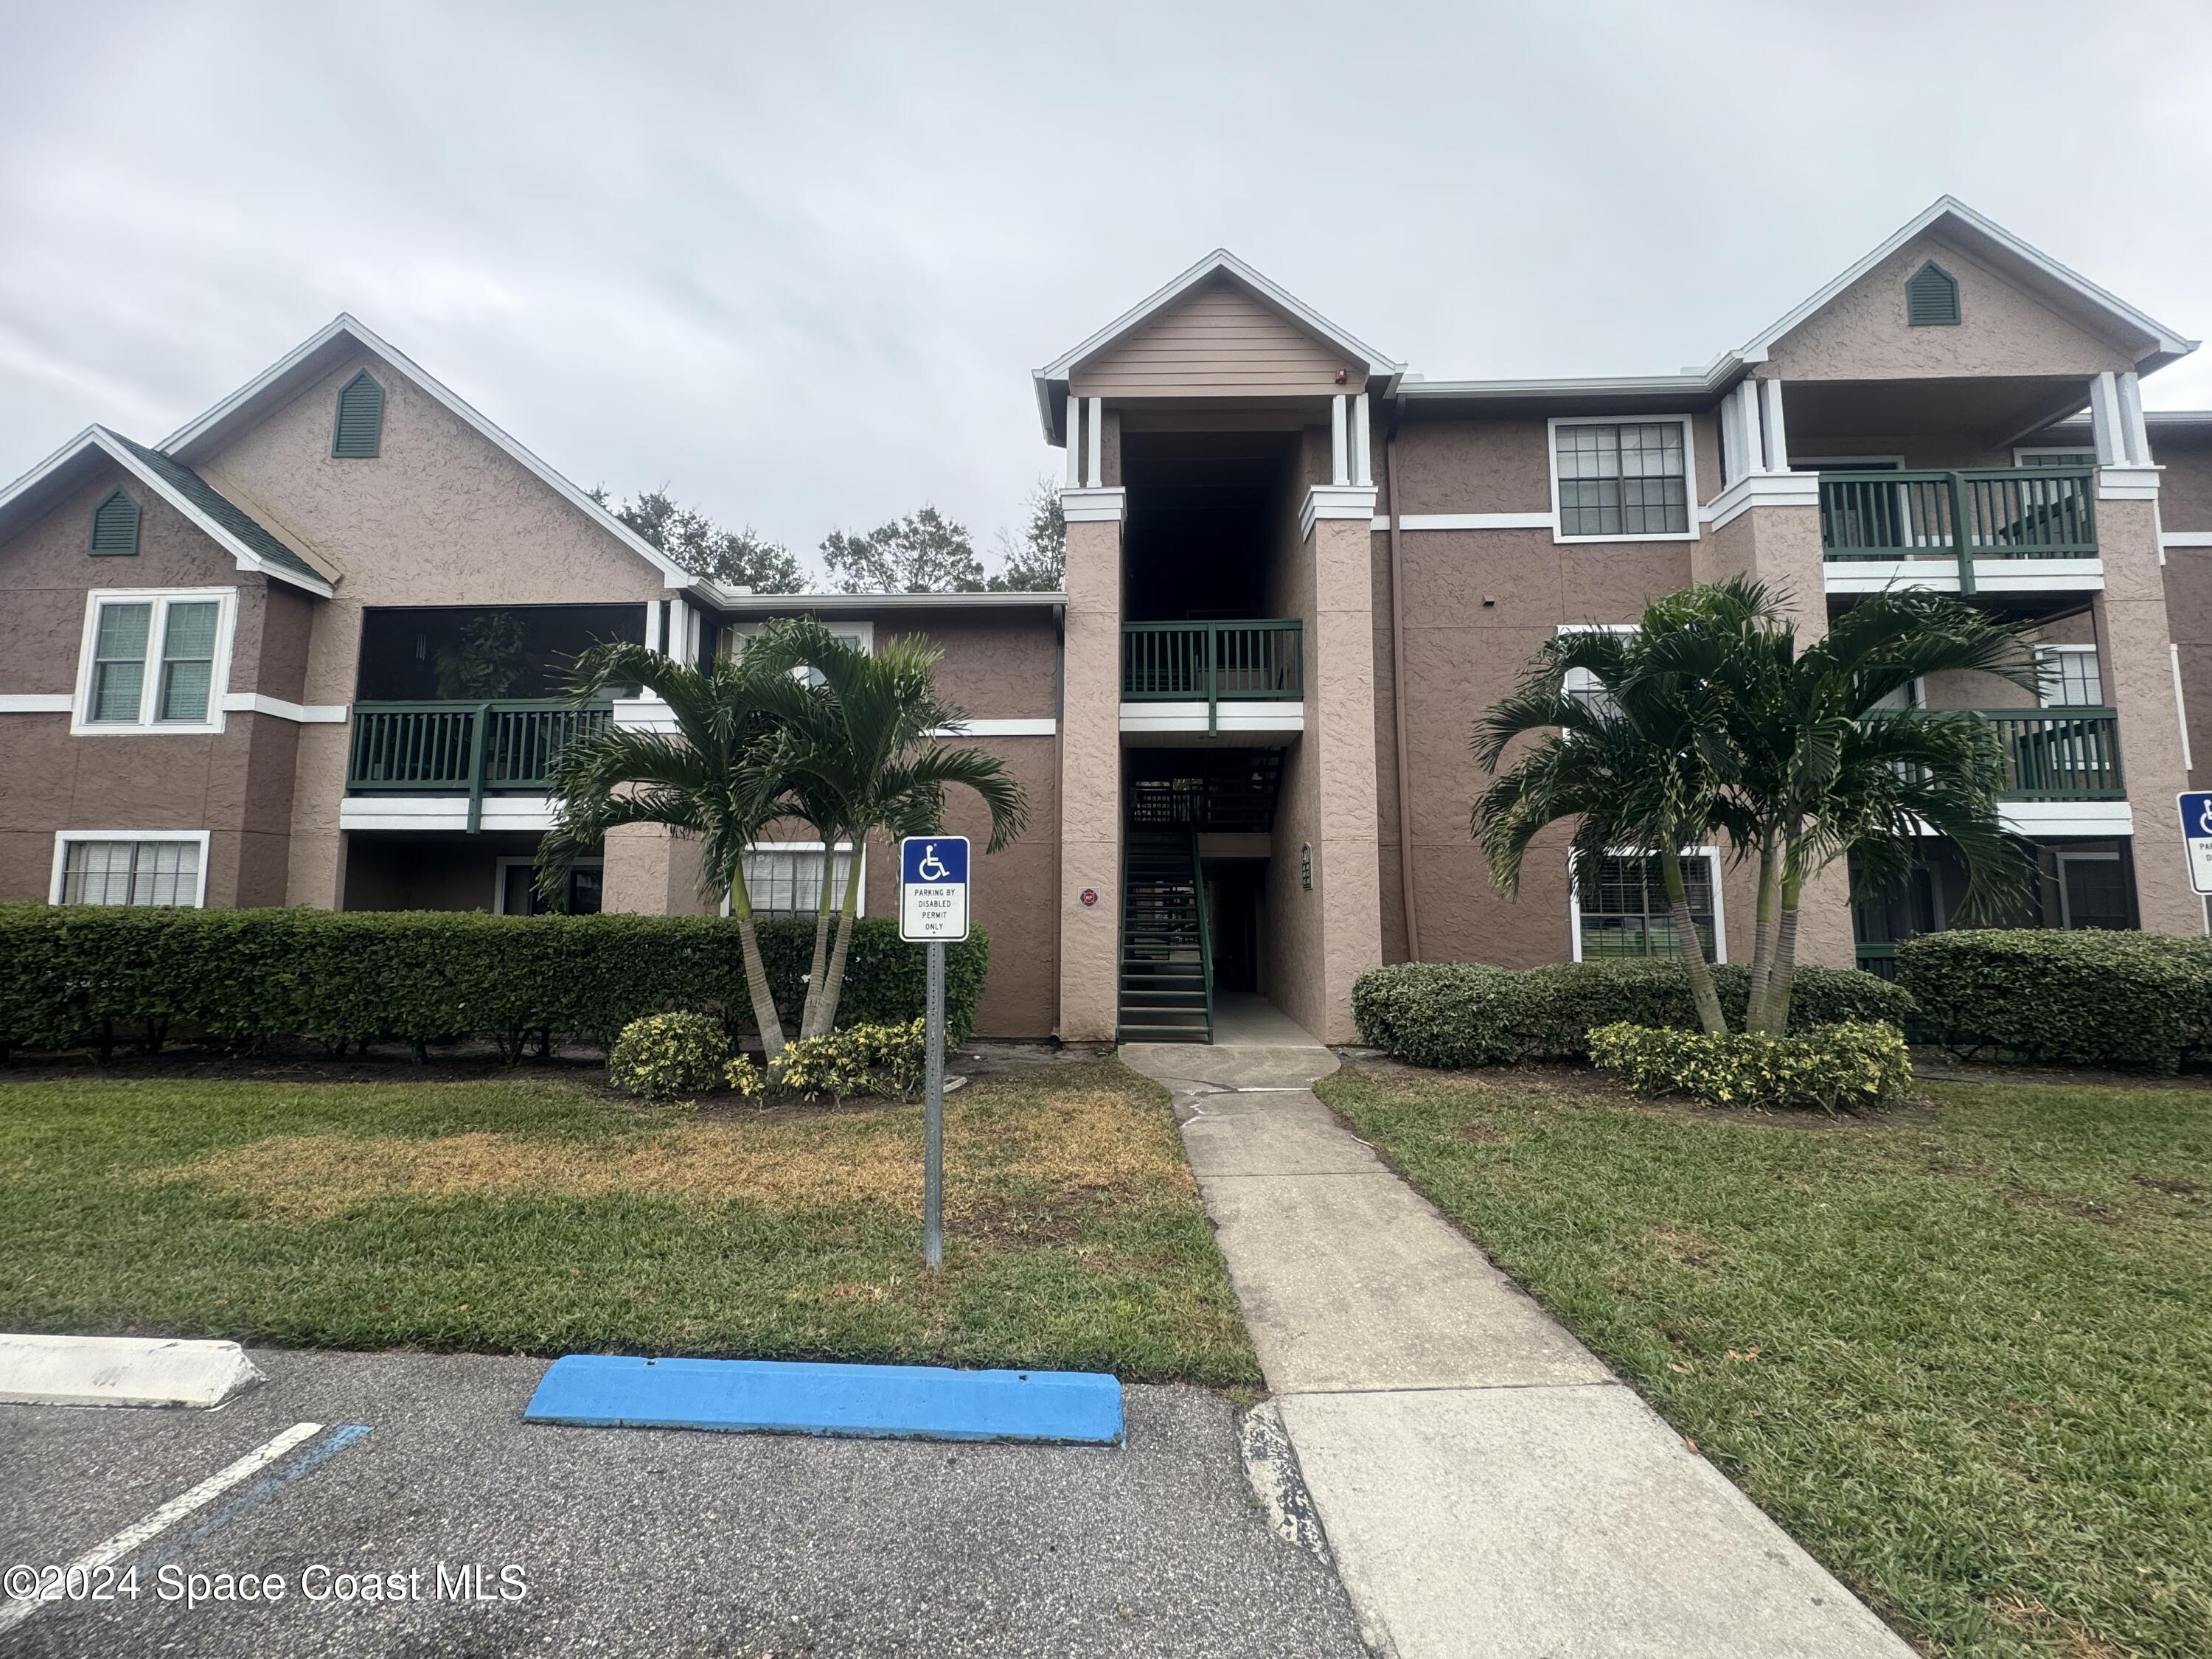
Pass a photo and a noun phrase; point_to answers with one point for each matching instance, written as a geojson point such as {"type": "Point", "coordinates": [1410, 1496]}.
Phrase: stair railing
{"type": "Point", "coordinates": [1205, 931]}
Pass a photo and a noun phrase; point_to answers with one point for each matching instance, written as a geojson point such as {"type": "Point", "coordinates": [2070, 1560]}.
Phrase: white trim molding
{"type": "Point", "coordinates": [304, 714]}
{"type": "Point", "coordinates": [1695, 512]}
{"type": "Point", "coordinates": [1045, 726]}
{"type": "Point", "coordinates": [1095, 504]}
{"type": "Point", "coordinates": [500, 812]}
{"type": "Point", "coordinates": [64, 838]}
{"type": "Point", "coordinates": [1470, 521]}
{"type": "Point", "coordinates": [1763, 490]}
{"type": "Point", "coordinates": [159, 600]}
{"type": "Point", "coordinates": [36, 703]}
{"type": "Point", "coordinates": [2128, 484]}
{"type": "Point", "coordinates": [1279, 716]}
{"type": "Point", "coordinates": [1335, 502]}
{"type": "Point", "coordinates": [1990, 575]}
{"type": "Point", "coordinates": [2067, 817]}
{"type": "Point", "coordinates": [2185, 539]}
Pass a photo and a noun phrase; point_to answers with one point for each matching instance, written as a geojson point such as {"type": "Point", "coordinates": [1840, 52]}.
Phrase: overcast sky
{"type": "Point", "coordinates": [796, 263]}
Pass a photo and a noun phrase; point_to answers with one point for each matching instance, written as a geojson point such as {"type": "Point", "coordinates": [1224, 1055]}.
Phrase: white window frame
{"type": "Point", "coordinates": [64, 838]}
{"type": "Point", "coordinates": [1712, 857]}
{"type": "Point", "coordinates": [2084, 454]}
{"type": "Point", "coordinates": [1580, 682]}
{"type": "Point", "coordinates": [2042, 697]}
{"type": "Point", "coordinates": [226, 626]}
{"type": "Point", "coordinates": [501, 865]}
{"type": "Point", "coordinates": [866, 630]}
{"type": "Point", "coordinates": [860, 897]}
{"type": "Point", "coordinates": [1695, 504]}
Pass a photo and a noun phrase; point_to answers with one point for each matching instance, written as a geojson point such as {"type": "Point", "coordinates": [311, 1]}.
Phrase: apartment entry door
{"type": "Point", "coordinates": [1234, 895]}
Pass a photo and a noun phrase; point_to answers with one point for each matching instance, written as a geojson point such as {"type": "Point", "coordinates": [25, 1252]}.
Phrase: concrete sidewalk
{"type": "Point", "coordinates": [1488, 1486]}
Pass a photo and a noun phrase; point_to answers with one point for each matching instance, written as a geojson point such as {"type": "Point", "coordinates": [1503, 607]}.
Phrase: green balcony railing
{"type": "Point", "coordinates": [1996, 513]}
{"type": "Point", "coordinates": [428, 748]}
{"type": "Point", "coordinates": [2059, 754]}
{"type": "Point", "coordinates": [1213, 662]}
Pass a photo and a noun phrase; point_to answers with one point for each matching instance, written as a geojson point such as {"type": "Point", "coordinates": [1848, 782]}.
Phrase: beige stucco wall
{"type": "Point", "coordinates": [1090, 771]}
{"type": "Point", "coordinates": [2133, 634]}
{"type": "Point", "coordinates": [439, 516]}
{"type": "Point", "coordinates": [1862, 334]}
{"type": "Point", "coordinates": [234, 783]}
{"type": "Point", "coordinates": [1217, 341]}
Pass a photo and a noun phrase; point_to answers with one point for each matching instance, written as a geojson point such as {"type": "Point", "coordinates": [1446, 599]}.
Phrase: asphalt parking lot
{"type": "Point", "coordinates": [450, 1527]}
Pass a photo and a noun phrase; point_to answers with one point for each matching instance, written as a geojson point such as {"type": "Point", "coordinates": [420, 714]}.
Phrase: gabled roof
{"type": "Point", "coordinates": [1051, 381]}
{"type": "Point", "coordinates": [249, 544]}
{"type": "Point", "coordinates": [2154, 343]}
{"type": "Point", "coordinates": [317, 355]}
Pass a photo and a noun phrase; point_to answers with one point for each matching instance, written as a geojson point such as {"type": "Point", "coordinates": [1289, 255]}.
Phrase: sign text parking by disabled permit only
{"type": "Point", "coordinates": [2196, 837]}
{"type": "Point", "coordinates": [933, 887]}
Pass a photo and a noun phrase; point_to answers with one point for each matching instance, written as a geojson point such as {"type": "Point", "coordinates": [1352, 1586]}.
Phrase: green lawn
{"type": "Point", "coordinates": [543, 1217]}
{"type": "Point", "coordinates": [1963, 1355]}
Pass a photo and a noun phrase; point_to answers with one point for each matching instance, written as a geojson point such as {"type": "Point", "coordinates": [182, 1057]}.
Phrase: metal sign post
{"type": "Point", "coordinates": [933, 910]}
{"type": "Point", "coordinates": [2196, 838]}
{"type": "Point", "coordinates": [932, 1117]}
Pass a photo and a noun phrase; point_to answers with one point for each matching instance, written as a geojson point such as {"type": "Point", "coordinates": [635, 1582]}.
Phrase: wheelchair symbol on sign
{"type": "Point", "coordinates": [2204, 818]}
{"type": "Point", "coordinates": [932, 867]}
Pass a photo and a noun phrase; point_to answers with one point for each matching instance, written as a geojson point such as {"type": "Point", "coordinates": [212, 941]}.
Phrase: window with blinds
{"type": "Point", "coordinates": [155, 661]}
{"type": "Point", "coordinates": [786, 881]}
{"type": "Point", "coordinates": [1625, 914]}
{"type": "Point", "coordinates": [139, 872]}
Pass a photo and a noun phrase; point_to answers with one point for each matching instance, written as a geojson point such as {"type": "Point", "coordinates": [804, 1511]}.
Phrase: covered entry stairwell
{"type": "Point", "coordinates": [1167, 958]}
{"type": "Point", "coordinates": [1167, 946]}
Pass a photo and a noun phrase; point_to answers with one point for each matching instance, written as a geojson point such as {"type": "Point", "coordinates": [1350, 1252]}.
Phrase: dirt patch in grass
{"type": "Point", "coordinates": [1095, 1143]}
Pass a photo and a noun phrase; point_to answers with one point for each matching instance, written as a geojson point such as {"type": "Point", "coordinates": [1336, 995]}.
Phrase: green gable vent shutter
{"type": "Point", "coordinates": [361, 417]}
{"type": "Point", "coordinates": [115, 524]}
{"type": "Point", "coordinates": [1931, 297]}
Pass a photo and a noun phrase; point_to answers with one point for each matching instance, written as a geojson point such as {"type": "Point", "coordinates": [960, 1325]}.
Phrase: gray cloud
{"type": "Point", "coordinates": [797, 262]}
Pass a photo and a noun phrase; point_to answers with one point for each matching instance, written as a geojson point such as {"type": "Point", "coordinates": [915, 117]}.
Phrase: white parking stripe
{"type": "Point", "coordinates": [137, 1535]}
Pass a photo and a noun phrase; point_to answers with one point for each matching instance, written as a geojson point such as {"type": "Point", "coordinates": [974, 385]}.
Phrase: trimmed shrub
{"type": "Point", "coordinates": [72, 975]}
{"type": "Point", "coordinates": [1853, 1064]}
{"type": "Point", "coordinates": [881, 1060]}
{"type": "Point", "coordinates": [1461, 1014]}
{"type": "Point", "coordinates": [2081, 998]}
{"type": "Point", "coordinates": [669, 1056]}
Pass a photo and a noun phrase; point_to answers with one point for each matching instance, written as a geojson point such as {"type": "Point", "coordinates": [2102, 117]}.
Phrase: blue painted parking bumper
{"type": "Point", "coordinates": [923, 1402]}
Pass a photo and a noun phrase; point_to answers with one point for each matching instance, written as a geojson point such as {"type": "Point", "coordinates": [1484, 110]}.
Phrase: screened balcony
{"type": "Point", "coordinates": [440, 748]}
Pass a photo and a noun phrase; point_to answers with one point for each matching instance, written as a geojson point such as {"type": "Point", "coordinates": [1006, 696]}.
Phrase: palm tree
{"type": "Point", "coordinates": [1712, 721]}
{"type": "Point", "coordinates": [1631, 763]}
{"type": "Point", "coordinates": [1834, 771]}
{"type": "Point", "coordinates": [866, 760]}
{"type": "Point", "coordinates": [718, 778]}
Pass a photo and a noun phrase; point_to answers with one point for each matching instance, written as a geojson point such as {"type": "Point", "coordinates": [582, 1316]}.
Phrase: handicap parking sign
{"type": "Point", "coordinates": [933, 887]}
{"type": "Point", "coordinates": [2196, 836]}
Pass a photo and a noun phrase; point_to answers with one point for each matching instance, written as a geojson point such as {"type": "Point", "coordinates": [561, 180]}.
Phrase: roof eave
{"type": "Point", "coordinates": [110, 445]}
{"type": "Point", "coordinates": [203, 425]}
{"type": "Point", "coordinates": [2164, 346]}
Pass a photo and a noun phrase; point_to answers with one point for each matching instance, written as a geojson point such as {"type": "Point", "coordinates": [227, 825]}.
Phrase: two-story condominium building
{"type": "Point", "coordinates": [308, 648]}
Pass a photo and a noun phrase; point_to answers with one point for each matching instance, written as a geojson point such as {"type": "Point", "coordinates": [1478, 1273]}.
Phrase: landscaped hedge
{"type": "Point", "coordinates": [1461, 1013]}
{"type": "Point", "coordinates": [2084, 998]}
{"type": "Point", "coordinates": [75, 975]}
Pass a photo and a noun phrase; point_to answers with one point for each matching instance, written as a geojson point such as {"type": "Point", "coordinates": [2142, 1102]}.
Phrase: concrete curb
{"type": "Point", "coordinates": [120, 1370]}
